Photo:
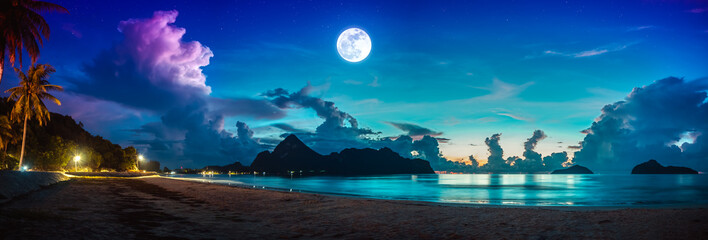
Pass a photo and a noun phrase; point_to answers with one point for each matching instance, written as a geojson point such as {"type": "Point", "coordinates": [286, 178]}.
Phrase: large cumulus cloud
{"type": "Point", "coordinates": [496, 153]}
{"type": "Point", "coordinates": [155, 72]}
{"type": "Point", "coordinates": [650, 124]}
{"type": "Point", "coordinates": [156, 46]}
{"type": "Point", "coordinates": [533, 160]}
{"type": "Point", "coordinates": [152, 68]}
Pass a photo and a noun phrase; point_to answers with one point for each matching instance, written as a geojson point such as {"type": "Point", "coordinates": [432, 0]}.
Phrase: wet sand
{"type": "Point", "coordinates": [161, 208]}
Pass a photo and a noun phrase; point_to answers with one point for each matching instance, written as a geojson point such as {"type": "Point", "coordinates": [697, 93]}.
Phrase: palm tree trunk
{"type": "Point", "coordinates": [2, 66]}
{"type": "Point", "coordinates": [24, 134]}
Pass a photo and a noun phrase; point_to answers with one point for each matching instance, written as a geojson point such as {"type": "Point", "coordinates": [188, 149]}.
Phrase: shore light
{"type": "Point", "coordinates": [77, 158]}
{"type": "Point", "coordinates": [140, 158]}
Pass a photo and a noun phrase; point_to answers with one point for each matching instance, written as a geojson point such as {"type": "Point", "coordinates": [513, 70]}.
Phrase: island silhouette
{"type": "Point", "coordinates": [292, 156]}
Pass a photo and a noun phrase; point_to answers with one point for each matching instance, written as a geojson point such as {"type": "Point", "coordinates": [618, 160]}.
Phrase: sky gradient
{"type": "Point", "coordinates": [459, 71]}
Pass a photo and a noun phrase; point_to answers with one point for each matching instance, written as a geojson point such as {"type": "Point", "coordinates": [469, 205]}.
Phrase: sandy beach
{"type": "Point", "coordinates": [162, 208]}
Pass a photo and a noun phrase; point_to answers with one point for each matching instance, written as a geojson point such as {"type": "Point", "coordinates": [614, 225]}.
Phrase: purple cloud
{"type": "Point", "coordinates": [151, 69]}
{"type": "Point", "coordinates": [156, 46]}
{"type": "Point", "coordinates": [153, 72]}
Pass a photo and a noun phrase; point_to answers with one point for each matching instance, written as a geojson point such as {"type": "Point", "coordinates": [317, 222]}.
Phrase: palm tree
{"type": "Point", "coordinates": [6, 136]}
{"type": "Point", "coordinates": [29, 97]}
{"type": "Point", "coordinates": [6, 133]}
{"type": "Point", "coordinates": [21, 27]}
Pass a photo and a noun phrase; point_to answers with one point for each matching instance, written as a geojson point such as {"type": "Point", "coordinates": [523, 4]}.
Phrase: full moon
{"type": "Point", "coordinates": [354, 45]}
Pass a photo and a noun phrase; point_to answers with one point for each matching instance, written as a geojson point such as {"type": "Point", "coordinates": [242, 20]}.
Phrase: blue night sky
{"type": "Point", "coordinates": [457, 70]}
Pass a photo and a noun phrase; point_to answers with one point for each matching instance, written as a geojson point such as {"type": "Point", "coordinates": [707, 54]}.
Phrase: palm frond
{"type": "Point", "coordinates": [23, 28]}
{"type": "Point", "coordinates": [41, 6]}
{"type": "Point", "coordinates": [33, 89]}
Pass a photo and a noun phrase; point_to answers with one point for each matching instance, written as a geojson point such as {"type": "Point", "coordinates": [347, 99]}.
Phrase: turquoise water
{"type": "Point", "coordinates": [496, 189]}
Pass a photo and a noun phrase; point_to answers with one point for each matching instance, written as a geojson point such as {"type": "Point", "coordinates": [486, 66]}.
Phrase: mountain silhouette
{"type": "Point", "coordinates": [293, 155]}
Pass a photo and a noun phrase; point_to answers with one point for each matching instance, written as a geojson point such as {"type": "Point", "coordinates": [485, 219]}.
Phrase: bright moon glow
{"type": "Point", "coordinates": [354, 45]}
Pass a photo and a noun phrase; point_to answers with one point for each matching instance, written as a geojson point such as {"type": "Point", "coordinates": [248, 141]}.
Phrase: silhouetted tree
{"type": "Point", "coordinates": [96, 152]}
{"type": "Point", "coordinates": [21, 27]}
{"type": "Point", "coordinates": [93, 159]}
{"type": "Point", "coordinates": [29, 97]}
{"type": "Point", "coordinates": [130, 156]}
{"type": "Point", "coordinates": [6, 133]}
{"type": "Point", "coordinates": [58, 155]}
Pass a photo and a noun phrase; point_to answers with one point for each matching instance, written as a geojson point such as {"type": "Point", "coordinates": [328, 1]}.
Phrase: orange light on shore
{"type": "Point", "coordinates": [77, 158]}
{"type": "Point", "coordinates": [140, 158]}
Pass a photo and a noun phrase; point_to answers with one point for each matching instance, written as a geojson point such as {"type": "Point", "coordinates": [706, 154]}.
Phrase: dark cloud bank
{"type": "Point", "coordinates": [650, 124]}
{"type": "Point", "coordinates": [155, 71]}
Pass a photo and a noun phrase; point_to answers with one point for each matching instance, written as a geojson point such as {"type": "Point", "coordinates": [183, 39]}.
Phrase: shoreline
{"type": "Point", "coordinates": [454, 204]}
{"type": "Point", "coordinates": [15, 183]}
{"type": "Point", "coordinates": [159, 207]}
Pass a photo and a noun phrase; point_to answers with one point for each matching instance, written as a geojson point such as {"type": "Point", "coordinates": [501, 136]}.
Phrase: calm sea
{"type": "Point", "coordinates": [496, 189]}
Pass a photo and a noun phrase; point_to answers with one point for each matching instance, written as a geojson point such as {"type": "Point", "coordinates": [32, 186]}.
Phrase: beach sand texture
{"type": "Point", "coordinates": [162, 208]}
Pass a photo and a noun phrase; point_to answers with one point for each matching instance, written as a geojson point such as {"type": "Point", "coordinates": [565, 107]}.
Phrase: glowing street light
{"type": "Point", "coordinates": [140, 158]}
{"type": "Point", "coordinates": [77, 158]}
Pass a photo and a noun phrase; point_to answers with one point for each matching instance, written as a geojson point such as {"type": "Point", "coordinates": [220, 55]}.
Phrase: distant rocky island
{"type": "Point", "coordinates": [236, 167]}
{"type": "Point", "coordinates": [292, 155]}
{"type": "Point", "coordinates": [654, 167]}
{"type": "Point", "coordinates": [576, 169]}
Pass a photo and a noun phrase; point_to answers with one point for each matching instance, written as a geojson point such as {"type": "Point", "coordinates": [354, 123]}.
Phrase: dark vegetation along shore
{"type": "Point", "coordinates": [51, 147]}
{"type": "Point", "coordinates": [160, 208]}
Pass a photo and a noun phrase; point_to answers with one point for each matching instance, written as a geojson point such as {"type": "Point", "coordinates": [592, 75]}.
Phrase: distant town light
{"type": "Point", "coordinates": [24, 168]}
